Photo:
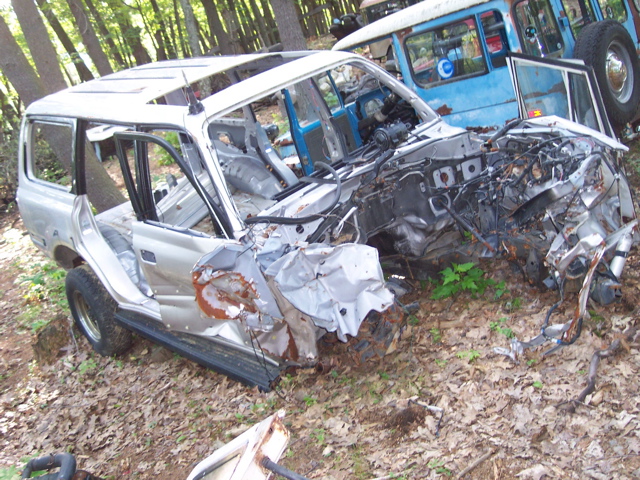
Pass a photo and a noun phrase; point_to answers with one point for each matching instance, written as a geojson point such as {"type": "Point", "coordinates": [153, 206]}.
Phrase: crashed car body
{"type": "Point", "coordinates": [260, 238]}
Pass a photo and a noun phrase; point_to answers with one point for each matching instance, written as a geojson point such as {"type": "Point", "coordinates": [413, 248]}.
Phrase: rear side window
{"type": "Point", "coordinates": [539, 32]}
{"type": "Point", "coordinates": [446, 53]}
{"type": "Point", "coordinates": [51, 153]}
{"type": "Point", "coordinates": [579, 13]}
{"type": "Point", "coordinates": [613, 10]}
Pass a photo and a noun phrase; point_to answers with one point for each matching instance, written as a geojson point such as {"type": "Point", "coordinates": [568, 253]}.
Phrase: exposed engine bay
{"type": "Point", "coordinates": [536, 192]}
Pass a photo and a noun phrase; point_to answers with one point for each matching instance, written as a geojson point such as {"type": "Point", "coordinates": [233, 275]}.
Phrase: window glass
{"type": "Point", "coordinates": [52, 153]}
{"type": "Point", "coordinates": [446, 53]}
{"type": "Point", "coordinates": [613, 10]}
{"type": "Point", "coordinates": [495, 37]}
{"type": "Point", "coordinates": [579, 13]}
{"type": "Point", "coordinates": [539, 31]}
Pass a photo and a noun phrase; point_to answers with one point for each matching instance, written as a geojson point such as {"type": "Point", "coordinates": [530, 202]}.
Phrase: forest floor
{"type": "Point", "coordinates": [152, 414]}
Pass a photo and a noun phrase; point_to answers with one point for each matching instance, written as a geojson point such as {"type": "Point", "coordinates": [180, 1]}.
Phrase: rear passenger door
{"type": "Point", "coordinates": [46, 178]}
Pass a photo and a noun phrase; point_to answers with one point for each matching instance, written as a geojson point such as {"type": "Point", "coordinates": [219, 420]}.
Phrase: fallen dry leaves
{"type": "Point", "coordinates": [150, 414]}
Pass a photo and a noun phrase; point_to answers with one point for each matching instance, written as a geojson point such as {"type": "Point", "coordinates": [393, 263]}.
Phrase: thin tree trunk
{"type": "Point", "coordinates": [287, 19]}
{"type": "Point", "coordinates": [168, 47]}
{"type": "Point", "coordinates": [130, 32]}
{"type": "Point", "coordinates": [83, 71]}
{"type": "Point", "coordinates": [35, 33]}
{"type": "Point", "coordinates": [90, 39]}
{"type": "Point", "coordinates": [183, 46]}
{"type": "Point", "coordinates": [104, 32]}
{"type": "Point", "coordinates": [158, 46]}
{"type": "Point", "coordinates": [191, 26]}
{"type": "Point", "coordinates": [215, 25]}
{"type": "Point", "coordinates": [262, 27]}
{"type": "Point", "coordinates": [237, 26]}
{"type": "Point", "coordinates": [274, 36]}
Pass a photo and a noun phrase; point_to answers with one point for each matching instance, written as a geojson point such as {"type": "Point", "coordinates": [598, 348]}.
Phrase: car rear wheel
{"type": "Point", "coordinates": [93, 311]}
{"type": "Point", "coordinates": [608, 48]}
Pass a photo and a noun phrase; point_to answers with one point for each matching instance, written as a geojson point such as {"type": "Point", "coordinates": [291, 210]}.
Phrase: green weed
{"type": "Point", "coordinates": [537, 384]}
{"type": "Point", "coordinates": [500, 328]}
{"type": "Point", "coordinates": [470, 355]}
{"type": "Point", "coordinates": [436, 335]}
{"type": "Point", "coordinates": [438, 465]}
{"type": "Point", "coordinates": [465, 277]}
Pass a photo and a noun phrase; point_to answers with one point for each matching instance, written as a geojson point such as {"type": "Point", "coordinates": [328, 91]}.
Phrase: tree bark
{"type": "Point", "coordinates": [165, 43]}
{"type": "Point", "coordinates": [191, 26]}
{"type": "Point", "coordinates": [104, 32]}
{"type": "Point", "coordinates": [90, 39]}
{"type": "Point", "coordinates": [83, 71]}
{"type": "Point", "coordinates": [217, 30]}
{"type": "Point", "coordinates": [271, 22]}
{"type": "Point", "coordinates": [262, 27]}
{"type": "Point", "coordinates": [287, 20]}
{"type": "Point", "coordinates": [44, 55]}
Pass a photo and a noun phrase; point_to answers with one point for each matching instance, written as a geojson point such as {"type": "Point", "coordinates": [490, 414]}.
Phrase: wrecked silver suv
{"type": "Point", "coordinates": [234, 209]}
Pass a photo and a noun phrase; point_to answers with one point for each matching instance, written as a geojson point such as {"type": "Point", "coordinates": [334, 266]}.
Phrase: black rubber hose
{"type": "Point", "coordinates": [308, 218]}
{"type": "Point", "coordinates": [65, 461]}
{"type": "Point", "coordinates": [280, 470]}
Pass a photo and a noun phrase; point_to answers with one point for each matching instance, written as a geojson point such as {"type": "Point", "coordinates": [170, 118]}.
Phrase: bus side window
{"type": "Point", "coordinates": [579, 13]}
{"type": "Point", "coordinates": [538, 29]}
{"type": "Point", "coordinates": [613, 10]}
{"type": "Point", "coordinates": [495, 37]}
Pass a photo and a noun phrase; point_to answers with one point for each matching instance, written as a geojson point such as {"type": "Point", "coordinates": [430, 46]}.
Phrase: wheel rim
{"type": "Point", "coordinates": [84, 317]}
{"type": "Point", "coordinates": [619, 72]}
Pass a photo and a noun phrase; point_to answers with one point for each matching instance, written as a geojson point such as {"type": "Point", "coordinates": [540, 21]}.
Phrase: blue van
{"type": "Point", "coordinates": [453, 54]}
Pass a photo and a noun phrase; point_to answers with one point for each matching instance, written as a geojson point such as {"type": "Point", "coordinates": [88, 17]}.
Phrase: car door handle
{"type": "Point", "coordinates": [148, 256]}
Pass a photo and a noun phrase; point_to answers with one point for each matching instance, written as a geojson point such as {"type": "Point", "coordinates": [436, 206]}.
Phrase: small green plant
{"type": "Point", "coordinates": [163, 157]}
{"type": "Point", "coordinates": [465, 277]}
{"type": "Point", "coordinates": [384, 375]}
{"type": "Point", "coordinates": [436, 335]}
{"type": "Point", "coordinates": [10, 473]}
{"type": "Point", "coordinates": [318, 435]}
{"type": "Point", "coordinates": [87, 366]}
{"type": "Point", "coordinates": [413, 320]}
{"type": "Point", "coordinates": [440, 362]}
{"type": "Point", "coordinates": [438, 465]}
{"type": "Point", "coordinates": [581, 372]}
{"type": "Point", "coordinates": [500, 328]}
{"type": "Point", "coordinates": [531, 362]}
{"type": "Point", "coordinates": [537, 384]}
{"type": "Point", "coordinates": [310, 401]}
{"type": "Point", "coordinates": [513, 304]}
{"type": "Point", "coordinates": [470, 355]}
{"type": "Point", "coordinates": [240, 417]}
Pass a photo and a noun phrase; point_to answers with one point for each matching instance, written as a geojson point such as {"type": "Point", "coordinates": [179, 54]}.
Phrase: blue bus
{"type": "Point", "coordinates": [453, 53]}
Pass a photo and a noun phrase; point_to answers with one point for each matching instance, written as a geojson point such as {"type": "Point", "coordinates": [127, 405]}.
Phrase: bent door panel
{"type": "Point", "coordinates": [564, 88]}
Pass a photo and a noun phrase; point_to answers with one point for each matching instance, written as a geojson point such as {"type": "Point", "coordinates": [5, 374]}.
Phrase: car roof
{"type": "Point", "coordinates": [125, 96]}
{"type": "Point", "coordinates": [416, 14]}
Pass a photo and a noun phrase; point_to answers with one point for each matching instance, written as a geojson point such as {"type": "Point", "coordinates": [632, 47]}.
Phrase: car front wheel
{"type": "Point", "coordinates": [93, 311]}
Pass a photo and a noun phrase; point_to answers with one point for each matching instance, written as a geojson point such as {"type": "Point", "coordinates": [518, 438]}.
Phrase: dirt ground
{"type": "Point", "coordinates": [151, 414]}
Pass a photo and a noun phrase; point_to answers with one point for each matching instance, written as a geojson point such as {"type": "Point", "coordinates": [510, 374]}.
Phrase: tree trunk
{"type": "Point", "coordinates": [271, 22]}
{"type": "Point", "coordinates": [287, 20]}
{"type": "Point", "coordinates": [168, 47]}
{"type": "Point", "coordinates": [83, 71]}
{"type": "Point", "coordinates": [215, 25]}
{"type": "Point", "coordinates": [44, 55]}
{"type": "Point", "coordinates": [176, 13]}
{"type": "Point", "coordinates": [89, 38]}
{"type": "Point", "coordinates": [191, 26]}
{"type": "Point", "coordinates": [237, 26]}
{"type": "Point", "coordinates": [104, 32]}
{"type": "Point", "coordinates": [262, 27]}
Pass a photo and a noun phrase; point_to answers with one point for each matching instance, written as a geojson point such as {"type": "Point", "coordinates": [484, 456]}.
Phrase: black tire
{"type": "Point", "coordinates": [93, 311]}
{"type": "Point", "coordinates": [607, 47]}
